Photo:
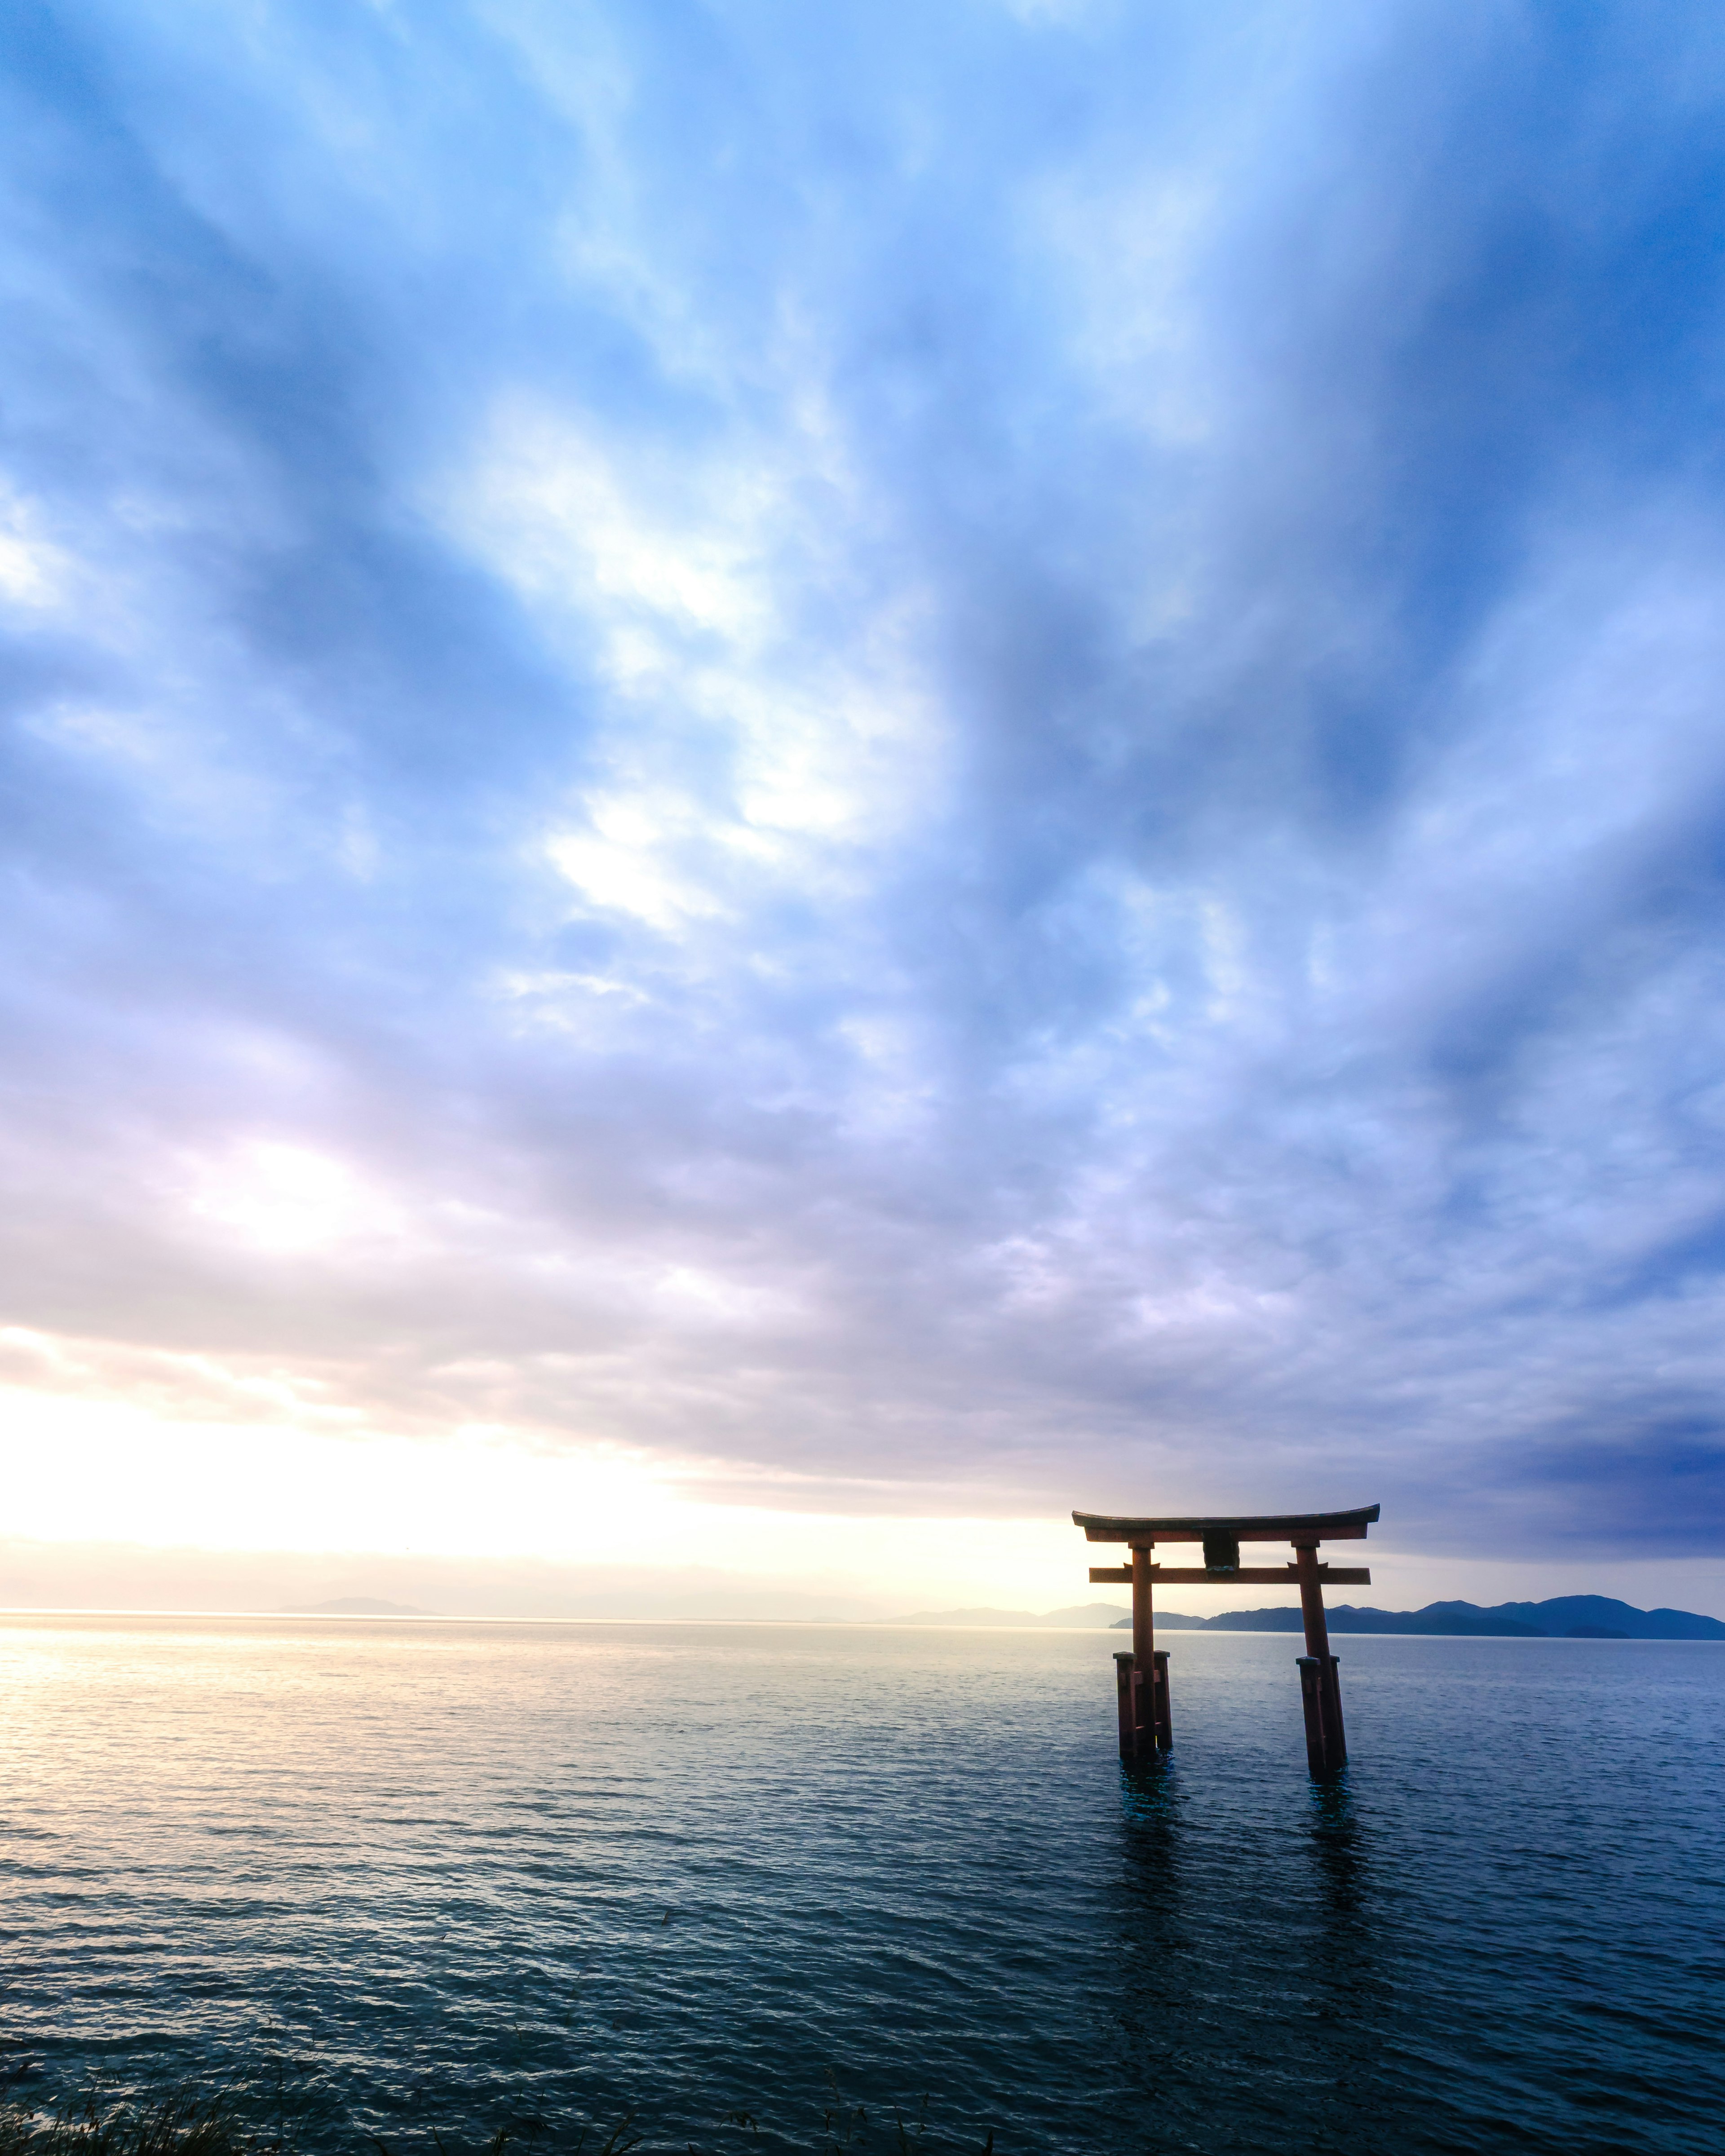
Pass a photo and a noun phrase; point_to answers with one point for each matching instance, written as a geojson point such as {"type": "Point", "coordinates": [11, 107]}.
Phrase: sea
{"type": "Point", "coordinates": [415, 1884]}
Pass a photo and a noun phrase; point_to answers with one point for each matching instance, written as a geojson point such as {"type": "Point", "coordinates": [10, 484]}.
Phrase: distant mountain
{"type": "Point", "coordinates": [1454, 1620]}
{"type": "Point", "coordinates": [354, 1606]}
{"type": "Point", "coordinates": [1092, 1614]}
{"type": "Point", "coordinates": [1563, 1617]}
{"type": "Point", "coordinates": [1592, 1616]}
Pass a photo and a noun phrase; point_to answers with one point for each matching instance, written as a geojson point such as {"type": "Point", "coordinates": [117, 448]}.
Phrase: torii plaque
{"type": "Point", "coordinates": [1146, 1723]}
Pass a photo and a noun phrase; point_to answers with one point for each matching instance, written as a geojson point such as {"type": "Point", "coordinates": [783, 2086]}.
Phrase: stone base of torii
{"type": "Point", "coordinates": [1146, 1716]}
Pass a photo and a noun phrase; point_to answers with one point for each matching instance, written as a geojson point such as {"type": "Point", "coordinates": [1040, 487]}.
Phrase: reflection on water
{"type": "Point", "coordinates": [1340, 1866]}
{"type": "Point", "coordinates": [1352, 1945]}
{"type": "Point", "coordinates": [1248, 1970]}
{"type": "Point", "coordinates": [1151, 1941]}
{"type": "Point", "coordinates": [466, 1870]}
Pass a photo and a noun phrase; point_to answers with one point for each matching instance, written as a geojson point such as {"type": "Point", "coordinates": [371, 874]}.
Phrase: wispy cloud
{"type": "Point", "coordinates": [940, 759]}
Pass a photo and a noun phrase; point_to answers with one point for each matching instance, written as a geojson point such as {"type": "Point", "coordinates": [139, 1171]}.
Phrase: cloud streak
{"type": "Point", "coordinates": [926, 764]}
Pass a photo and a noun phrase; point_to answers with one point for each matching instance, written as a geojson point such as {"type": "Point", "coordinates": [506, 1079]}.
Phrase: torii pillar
{"type": "Point", "coordinates": [1146, 1721]}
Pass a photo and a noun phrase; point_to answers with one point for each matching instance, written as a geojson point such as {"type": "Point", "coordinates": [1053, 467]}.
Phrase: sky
{"type": "Point", "coordinates": [783, 785]}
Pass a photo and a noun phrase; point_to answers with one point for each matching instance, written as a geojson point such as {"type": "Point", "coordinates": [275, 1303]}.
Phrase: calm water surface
{"type": "Point", "coordinates": [467, 1873]}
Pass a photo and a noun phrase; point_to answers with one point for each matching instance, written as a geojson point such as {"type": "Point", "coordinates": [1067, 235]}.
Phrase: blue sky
{"type": "Point", "coordinates": [865, 764]}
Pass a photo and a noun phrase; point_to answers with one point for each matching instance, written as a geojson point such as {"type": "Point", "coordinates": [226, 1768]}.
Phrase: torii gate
{"type": "Point", "coordinates": [1146, 1724]}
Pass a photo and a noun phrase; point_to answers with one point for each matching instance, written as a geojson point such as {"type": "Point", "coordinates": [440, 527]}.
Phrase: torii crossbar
{"type": "Point", "coordinates": [1145, 1722]}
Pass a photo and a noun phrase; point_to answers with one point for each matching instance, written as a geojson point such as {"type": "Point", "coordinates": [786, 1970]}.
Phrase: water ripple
{"type": "Point", "coordinates": [464, 1871]}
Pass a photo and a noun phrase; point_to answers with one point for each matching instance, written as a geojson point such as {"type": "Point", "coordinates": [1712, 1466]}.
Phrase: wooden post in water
{"type": "Point", "coordinates": [1152, 1728]}
{"type": "Point", "coordinates": [1146, 1721]}
{"type": "Point", "coordinates": [1128, 1703]}
{"type": "Point", "coordinates": [1324, 1696]}
{"type": "Point", "coordinates": [1311, 1706]}
{"type": "Point", "coordinates": [1144, 1671]}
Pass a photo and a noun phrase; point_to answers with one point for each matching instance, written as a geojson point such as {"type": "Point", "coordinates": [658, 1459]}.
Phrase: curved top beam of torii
{"type": "Point", "coordinates": [1238, 1527]}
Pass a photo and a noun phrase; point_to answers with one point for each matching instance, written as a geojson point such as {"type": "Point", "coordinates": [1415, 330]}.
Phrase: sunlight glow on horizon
{"type": "Point", "coordinates": [80, 1470]}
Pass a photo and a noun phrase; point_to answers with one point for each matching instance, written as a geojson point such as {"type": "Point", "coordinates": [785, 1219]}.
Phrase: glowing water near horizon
{"type": "Point", "coordinates": [471, 1873]}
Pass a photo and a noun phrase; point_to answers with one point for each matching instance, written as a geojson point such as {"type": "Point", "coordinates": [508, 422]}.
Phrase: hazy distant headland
{"type": "Point", "coordinates": [353, 1605]}
{"type": "Point", "coordinates": [1092, 1616]}
{"type": "Point", "coordinates": [1563, 1617]}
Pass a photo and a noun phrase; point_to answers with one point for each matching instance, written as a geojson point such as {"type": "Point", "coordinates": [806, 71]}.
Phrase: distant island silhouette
{"type": "Point", "coordinates": [354, 1606]}
{"type": "Point", "coordinates": [1563, 1617]}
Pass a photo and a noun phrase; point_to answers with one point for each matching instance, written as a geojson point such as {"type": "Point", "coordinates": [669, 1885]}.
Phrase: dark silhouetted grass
{"type": "Point", "coordinates": [182, 2122]}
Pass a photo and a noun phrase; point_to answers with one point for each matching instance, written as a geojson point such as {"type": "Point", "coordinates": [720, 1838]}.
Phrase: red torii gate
{"type": "Point", "coordinates": [1146, 1723]}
